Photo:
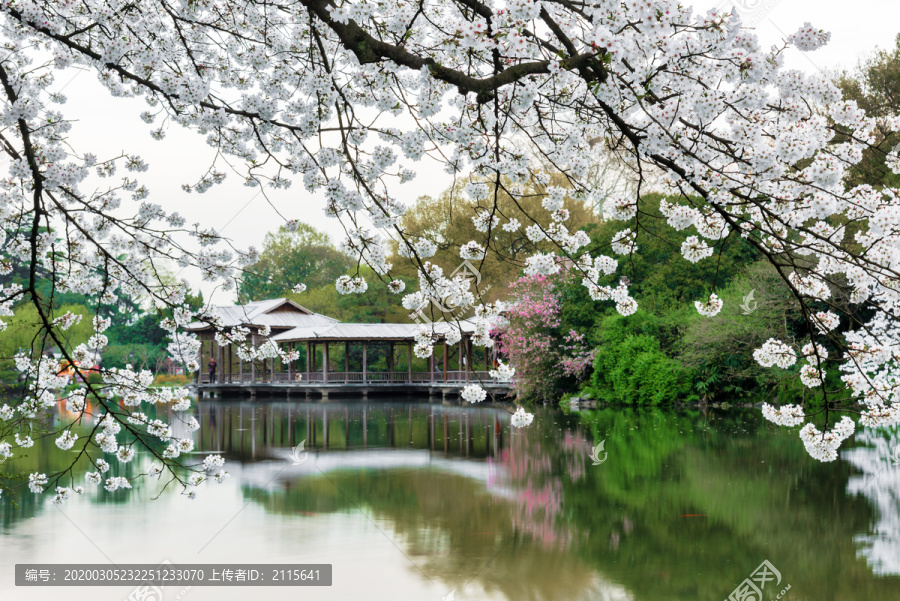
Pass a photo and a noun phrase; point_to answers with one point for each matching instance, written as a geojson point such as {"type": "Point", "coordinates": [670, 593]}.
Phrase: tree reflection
{"type": "Point", "coordinates": [879, 482]}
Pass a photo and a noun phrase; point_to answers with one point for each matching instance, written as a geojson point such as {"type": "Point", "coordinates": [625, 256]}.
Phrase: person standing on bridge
{"type": "Point", "coordinates": [212, 370]}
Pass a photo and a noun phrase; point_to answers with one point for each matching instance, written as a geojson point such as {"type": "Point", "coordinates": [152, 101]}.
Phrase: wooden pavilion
{"type": "Point", "coordinates": [331, 352]}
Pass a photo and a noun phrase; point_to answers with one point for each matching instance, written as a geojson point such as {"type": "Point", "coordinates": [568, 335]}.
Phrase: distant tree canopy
{"type": "Point", "coordinates": [145, 330]}
{"type": "Point", "coordinates": [875, 86]}
{"type": "Point", "coordinates": [25, 324]}
{"type": "Point", "coordinates": [660, 278]}
{"type": "Point", "coordinates": [307, 256]}
{"type": "Point", "coordinates": [135, 336]}
{"type": "Point", "coordinates": [377, 305]}
{"type": "Point", "coordinates": [304, 256]}
{"type": "Point", "coordinates": [446, 220]}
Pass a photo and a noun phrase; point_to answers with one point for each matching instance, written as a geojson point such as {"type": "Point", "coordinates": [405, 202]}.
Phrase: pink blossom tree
{"type": "Point", "coordinates": [533, 342]}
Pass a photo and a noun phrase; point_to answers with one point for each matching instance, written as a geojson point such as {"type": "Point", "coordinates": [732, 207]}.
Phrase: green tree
{"type": "Point", "coordinates": [757, 306]}
{"type": "Point", "coordinates": [141, 344]}
{"type": "Point", "coordinates": [24, 330]}
{"type": "Point", "coordinates": [645, 358]}
{"type": "Point", "coordinates": [875, 86]}
{"type": "Point", "coordinates": [660, 279]}
{"type": "Point", "coordinates": [377, 305]}
{"type": "Point", "coordinates": [305, 256]}
{"type": "Point", "coordinates": [25, 325]}
{"type": "Point", "coordinates": [630, 368]}
{"type": "Point", "coordinates": [139, 356]}
{"type": "Point", "coordinates": [145, 330]}
{"type": "Point", "coordinates": [446, 220]}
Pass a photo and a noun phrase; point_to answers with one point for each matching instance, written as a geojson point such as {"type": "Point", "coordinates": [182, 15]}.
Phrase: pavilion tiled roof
{"type": "Point", "coordinates": [298, 323]}
{"type": "Point", "coordinates": [262, 313]}
{"type": "Point", "coordinates": [365, 331]}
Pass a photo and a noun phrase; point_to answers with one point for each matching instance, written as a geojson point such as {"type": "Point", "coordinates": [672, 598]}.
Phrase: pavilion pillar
{"type": "Point", "coordinates": [431, 366]}
{"type": "Point", "coordinates": [409, 364]}
{"type": "Point", "coordinates": [199, 376]}
{"type": "Point", "coordinates": [290, 348]}
{"type": "Point", "coordinates": [390, 361]}
{"type": "Point", "coordinates": [364, 362]}
{"type": "Point", "coordinates": [241, 367]}
{"type": "Point", "coordinates": [308, 353]}
{"type": "Point", "coordinates": [230, 364]}
{"type": "Point", "coordinates": [203, 367]}
{"type": "Point", "coordinates": [325, 364]}
{"type": "Point", "coordinates": [346, 362]}
{"type": "Point", "coordinates": [219, 370]}
{"type": "Point", "coordinates": [466, 361]}
{"type": "Point", "coordinates": [446, 348]}
{"type": "Point", "coordinates": [253, 362]}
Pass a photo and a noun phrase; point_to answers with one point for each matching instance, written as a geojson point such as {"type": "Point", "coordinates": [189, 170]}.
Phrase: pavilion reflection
{"type": "Point", "coordinates": [250, 432]}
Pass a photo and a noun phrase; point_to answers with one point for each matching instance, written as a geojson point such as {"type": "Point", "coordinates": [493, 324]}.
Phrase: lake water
{"type": "Point", "coordinates": [415, 500]}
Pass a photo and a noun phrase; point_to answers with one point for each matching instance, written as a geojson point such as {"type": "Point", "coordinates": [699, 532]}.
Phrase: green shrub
{"type": "Point", "coordinates": [631, 369]}
{"type": "Point", "coordinates": [170, 380]}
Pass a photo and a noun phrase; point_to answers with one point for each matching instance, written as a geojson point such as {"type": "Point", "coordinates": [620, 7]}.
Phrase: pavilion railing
{"type": "Point", "coordinates": [351, 377]}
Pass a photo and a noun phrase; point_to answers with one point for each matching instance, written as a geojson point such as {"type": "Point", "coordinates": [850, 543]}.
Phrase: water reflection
{"type": "Point", "coordinates": [878, 481]}
{"type": "Point", "coordinates": [252, 432]}
{"type": "Point", "coordinates": [448, 497]}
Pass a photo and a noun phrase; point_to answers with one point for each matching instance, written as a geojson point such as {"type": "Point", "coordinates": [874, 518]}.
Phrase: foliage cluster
{"type": "Point", "coordinates": [666, 351]}
{"type": "Point", "coordinates": [447, 221]}
{"type": "Point", "coordinates": [139, 341]}
{"type": "Point", "coordinates": [305, 255]}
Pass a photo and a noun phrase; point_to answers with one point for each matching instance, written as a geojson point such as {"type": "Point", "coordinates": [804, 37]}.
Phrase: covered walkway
{"type": "Point", "coordinates": [337, 355]}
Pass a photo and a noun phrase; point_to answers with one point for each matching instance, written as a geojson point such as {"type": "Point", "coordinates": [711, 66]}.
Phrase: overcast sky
{"type": "Point", "coordinates": [110, 125]}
